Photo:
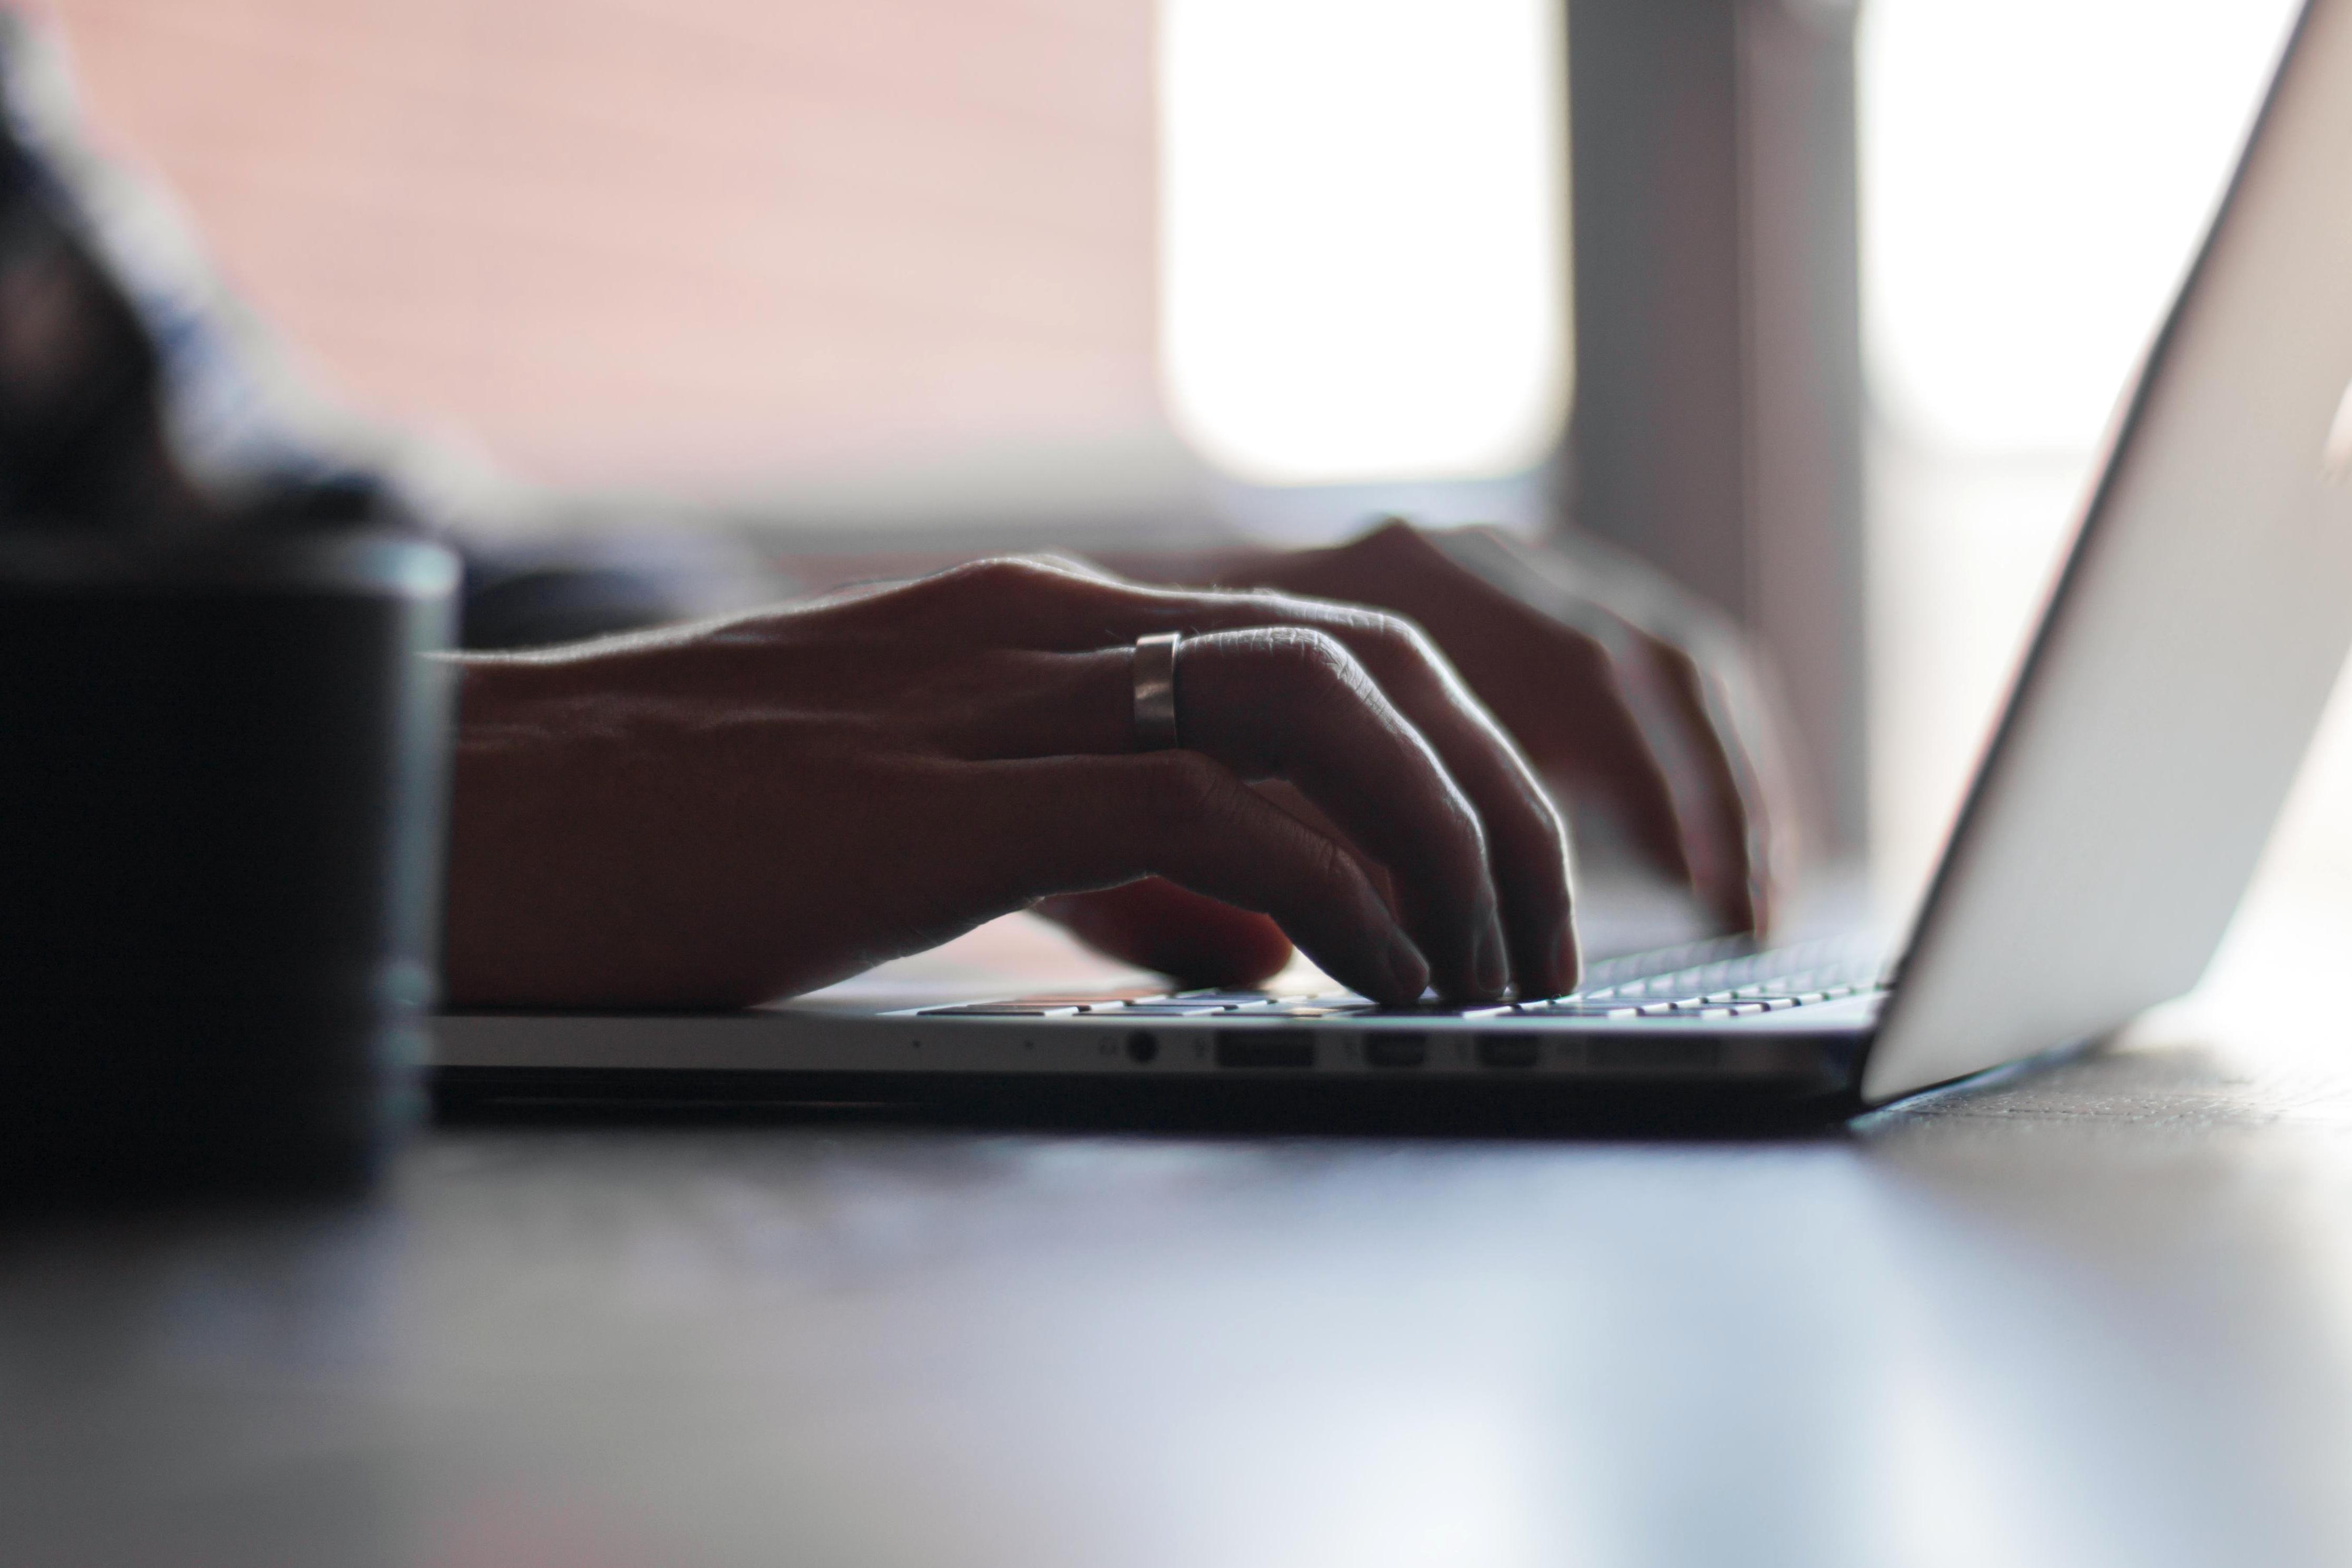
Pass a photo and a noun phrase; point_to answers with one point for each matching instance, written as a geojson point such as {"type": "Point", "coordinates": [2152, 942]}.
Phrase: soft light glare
{"type": "Point", "coordinates": [2035, 174]}
{"type": "Point", "coordinates": [1364, 234]}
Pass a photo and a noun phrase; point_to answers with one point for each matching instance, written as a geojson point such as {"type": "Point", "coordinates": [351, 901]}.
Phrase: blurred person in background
{"type": "Point", "coordinates": [654, 806]}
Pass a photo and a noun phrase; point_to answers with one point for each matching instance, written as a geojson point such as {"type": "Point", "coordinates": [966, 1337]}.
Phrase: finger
{"type": "Point", "coordinates": [1070, 824]}
{"type": "Point", "coordinates": [1684, 781]}
{"type": "Point", "coordinates": [1730, 699]}
{"type": "Point", "coordinates": [1604, 743]}
{"type": "Point", "coordinates": [1558, 682]}
{"type": "Point", "coordinates": [1159, 925]}
{"type": "Point", "coordinates": [1287, 703]}
{"type": "Point", "coordinates": [1056, 609]}
{"type": "Point", "coordinates": [1698, 781]}
{"type": "Point", "coordinates": [1730, 860]}
{"type": "Point", "coordinates": [1691, 723]}
{"type": "Point", "coordinates": [1528, 845]}
{"type": "Point", "coordinates": [1281, 793]}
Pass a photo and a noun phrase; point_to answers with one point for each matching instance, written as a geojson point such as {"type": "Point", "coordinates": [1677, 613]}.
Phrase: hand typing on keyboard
{"type": "Point", "coordinates": [1617, 686]}
{"type": "Point", "coordinates": [725, 812]}
{"type": "Point", "coordinates": [721, 813]}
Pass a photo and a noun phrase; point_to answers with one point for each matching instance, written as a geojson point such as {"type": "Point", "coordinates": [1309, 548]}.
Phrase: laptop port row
{"type": "Point", "coordinates": [1294, 1050]}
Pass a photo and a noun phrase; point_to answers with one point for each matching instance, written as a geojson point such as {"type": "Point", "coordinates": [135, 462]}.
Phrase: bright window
{"type": "Point", "coordinates": [2035, 176]}
{"type": "Point", "coordinates": [1363, 236]}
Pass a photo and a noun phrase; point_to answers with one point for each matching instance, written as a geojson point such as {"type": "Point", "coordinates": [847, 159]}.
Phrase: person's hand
{"type": "Point", "coordinates": [1621, 689]}
{"type": "Point", "coordinates": [725, 813]}
{"type": "Point", "coordinates": [1613, 682]}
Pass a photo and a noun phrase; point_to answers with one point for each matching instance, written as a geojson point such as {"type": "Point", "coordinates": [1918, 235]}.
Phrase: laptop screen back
{"type": "Point", "coordinates": [2190, 644]}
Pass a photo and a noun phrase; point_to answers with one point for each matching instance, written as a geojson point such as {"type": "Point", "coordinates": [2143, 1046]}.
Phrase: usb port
{"type": "Point", "coordinates": [1509, 1050]}
{"type": "Point", "coordinates": [1291, 1048]}
{"type": "Point", "coordinates": [1657, 1055]}
{"type": "Point", "coordinates": [1396, 1049]}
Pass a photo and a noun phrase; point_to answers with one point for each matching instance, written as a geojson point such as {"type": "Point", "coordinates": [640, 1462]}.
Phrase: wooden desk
{"type": "Point", "coordinates": [2099, 1316]}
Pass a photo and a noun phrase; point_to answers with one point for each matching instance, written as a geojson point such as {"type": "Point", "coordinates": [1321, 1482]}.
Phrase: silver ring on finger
{"type": "Point", "coordinates": [1155, 691]}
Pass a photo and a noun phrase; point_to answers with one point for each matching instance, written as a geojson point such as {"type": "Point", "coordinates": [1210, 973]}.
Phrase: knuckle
{"type": "Point", "coordinates": [1003, 577]}
{"type": "Point", "coordinates": [1684, 664]}
{"type": "Point", "coordinates": [1622, 675]}
{"type": "Point", "coordinates": [1404, 653]}
{"type": "Point", "coordinates": [1191, 790]}
{"type": "Point", "coordinates": [1588, 652]}
{"type": "Point", "coordinates": [1303, 653]}
{"type": "Point", "coordinates": [1470, 840]}
{"type": "Point", "coordinates": [1402, 636]}
{"type": "Point", "coordinates": [1331, 869]}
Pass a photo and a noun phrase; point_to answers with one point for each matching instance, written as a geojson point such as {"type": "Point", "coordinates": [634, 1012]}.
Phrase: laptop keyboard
{"type": "Point", "coordinates": [1719, 979]}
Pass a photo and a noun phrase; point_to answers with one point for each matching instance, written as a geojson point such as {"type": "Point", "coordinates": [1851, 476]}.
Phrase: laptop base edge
{"type": "Point", "coordinates": [1331, 1105]}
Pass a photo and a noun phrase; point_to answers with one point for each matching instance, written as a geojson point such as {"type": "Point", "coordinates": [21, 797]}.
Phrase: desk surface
{"type": "Point", "coordinates": [2103, 1315]}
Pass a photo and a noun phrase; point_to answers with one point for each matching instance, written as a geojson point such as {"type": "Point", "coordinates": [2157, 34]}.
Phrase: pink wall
{"type": "Point", "coordinates": [678, 242]}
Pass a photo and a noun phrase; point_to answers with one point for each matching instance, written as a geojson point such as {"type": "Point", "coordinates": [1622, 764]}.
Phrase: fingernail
{"type": "Point", "coordinates": [1408, 970]}
{"type": "Point", "coordinates": [1567, 963]}
{"type": "Point", "coordinates": [1491, 971]}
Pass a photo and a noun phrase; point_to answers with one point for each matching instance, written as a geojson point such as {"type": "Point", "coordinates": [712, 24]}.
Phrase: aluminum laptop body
{"type": "Point", "coordinates": [2159, 715]}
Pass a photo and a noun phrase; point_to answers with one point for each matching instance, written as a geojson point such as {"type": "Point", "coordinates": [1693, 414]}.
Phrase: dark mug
{"type": "Point", "coordinates": [223, 766]}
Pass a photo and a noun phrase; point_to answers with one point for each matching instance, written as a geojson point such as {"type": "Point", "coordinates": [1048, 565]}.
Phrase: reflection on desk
{"type": "Point", "coordinates": [2103, 1315]}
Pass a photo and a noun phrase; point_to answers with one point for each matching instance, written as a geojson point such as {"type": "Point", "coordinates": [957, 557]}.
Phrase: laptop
{"type": "Point", "coordinates": [2160, 713]}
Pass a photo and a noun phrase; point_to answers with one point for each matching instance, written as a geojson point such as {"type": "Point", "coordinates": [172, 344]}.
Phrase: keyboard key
{"type": "Point", "coordinates": [1085, 999]}
{"type": "Point", "coordinates": [999, 1011]}
{"type": "Point", "coordinates": [1306, 1012]}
